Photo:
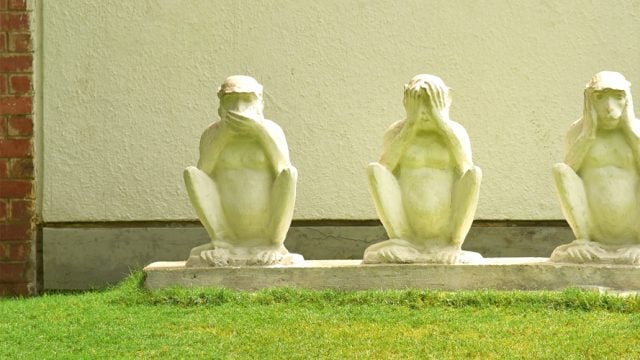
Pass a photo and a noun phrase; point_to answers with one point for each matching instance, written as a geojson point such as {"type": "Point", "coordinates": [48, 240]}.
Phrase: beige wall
{"type": "Point", "coordinates": [128, 86]}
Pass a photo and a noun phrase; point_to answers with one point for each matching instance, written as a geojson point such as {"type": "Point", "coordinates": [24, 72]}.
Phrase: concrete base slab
{"type": "Point", "coordinates": [492, 273]}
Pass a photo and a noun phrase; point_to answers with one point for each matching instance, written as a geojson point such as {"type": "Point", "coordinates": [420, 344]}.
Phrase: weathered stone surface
{"type": "Point", "coordinates": [425, 186]}
{"type": "Point", "coordinates": [244, 186]}
{"type": "Point", "coordinates": [598, 182]}
{"type": "Point", "coordinates": [494, 273]}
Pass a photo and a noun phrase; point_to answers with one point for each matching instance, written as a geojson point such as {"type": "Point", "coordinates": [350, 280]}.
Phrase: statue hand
{"type": "Point", "coordinates": [438, 101]}
{"type": "Point", "coordinates": [411, 103]}
{"type": "Point", "coordinates": [437, 106]}
{"type": "Point", "coordinates": [240, 123]}
{"type": "Point", "coordinates": [589, 118]}
{"type": "Point", "coordinates": [629, 122]}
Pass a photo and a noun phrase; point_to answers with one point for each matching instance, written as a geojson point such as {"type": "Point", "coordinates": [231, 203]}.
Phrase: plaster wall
{"type": "Point", "coordinates": [129, 86]}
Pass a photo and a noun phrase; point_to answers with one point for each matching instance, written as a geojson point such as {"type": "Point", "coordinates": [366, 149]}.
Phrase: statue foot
{"type": "Point", "coordinates": [629, 255]}
{"type": "Point", "coordinates": [216, 257]}
{"type": "Point", "coordinates": [268, 257]}
{"type": "Point", "coordinates": [450, 256]}
{"type": "Point", "coordinates": [403, 252]}
{"type": "Point", "coordinates": [391, 251]}
{"type": "Point", "coordinates": [469, 257]}
{"type": "Point", "coordinates": [579, 251]}
{"type": "Point", "coordinates": [403, 255]}
{"type": "Point", "coordinates": [210, 255]}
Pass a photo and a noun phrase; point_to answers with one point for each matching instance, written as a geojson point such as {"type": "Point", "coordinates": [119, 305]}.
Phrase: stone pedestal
{"type": "Point", "coordinates": [491, 273]}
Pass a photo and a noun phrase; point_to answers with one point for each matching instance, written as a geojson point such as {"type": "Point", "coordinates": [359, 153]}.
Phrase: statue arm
{"type": "Point", "coordinates": [456, 135]}
{"type": "Point", "coordinates": [459, 145]}
{"type": "Point", "coordinates": [275, 145]}
{"type": "Point", "coordinates": [578, 142]}
{"type": "Point", "coordinates": [632, 131]}
{"type": "Point", "coordinates": [211, 144]}
{"type": "Point", "coordinates": [631, 128]}
{"type": "Point", "coordinates": [267, 133]}
{"type": "Point", "coordinates": [396, 139]}
{"type": "Point", "coordinates": [581, 134]}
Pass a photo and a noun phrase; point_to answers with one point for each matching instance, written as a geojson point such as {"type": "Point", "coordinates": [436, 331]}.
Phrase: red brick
{"type": "Point", "coordinates": [21, 168]}
{"type": "Point", "coordinates": [20, 84]}
{"type": "Point", "coordinates": [15, 148]}
{"type": "Point", "coordinates": [15, 105]}
{"type": "Point", "coordinates": [16, 189]}
{"type": "Point", "coordinates": [20, 126]}
{"type": "Point", "coordinates": [3, 4]}
{"type": "Point", "coordinates": [3, 84]}
{"type": "Point", "coordinates": [14, 251]}
{"type": "Point", "coordinates": [17, 4]}
{"type": "Point", "coordinates": [13, 272]}
{"type": "Point", "coordinates": [4, 168]}
{"type": "Point", "coordinates": [3, 127]}
{"type": "Point", "coordinates": [21, 210]}
{"type": "Point", "coordinates": [3, 42]}
{"type": "Point", "coordinates": [17, 289]}
{"type": "Point", "coordinates": [10, 21]}
{"type": "Point", "coordinates": [15, 231]}
{"type": "Point", "coordinates": [4, 207]}
{"type": "Point", "coordinates": [19, 42]}
{"type": "Point", "coordinates": [16, 63]}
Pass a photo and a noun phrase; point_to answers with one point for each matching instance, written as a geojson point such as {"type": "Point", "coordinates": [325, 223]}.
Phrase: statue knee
{"type": "Point", "coordinates": [197, 180]}
{"type": "Point", "coordinates": [476, 173]}
{"type": "Point", "coordinates": [563, 170]}
{"type": "Point", "coordinates": [290, 173]}
{"type": "Point", "coordinates": [472, 177]}
{"type": "Point", "coordinates": [376, 168]}
{"type": "Point", "coordinates": [379, 174]}
{"type": "Point", "coordinates": [565, 177]}
{"type": "Point", "coordinates": [192, 173]}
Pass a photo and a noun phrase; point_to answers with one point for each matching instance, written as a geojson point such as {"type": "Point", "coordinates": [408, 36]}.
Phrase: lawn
{"type": "Point", "coordinates": [129, 322]}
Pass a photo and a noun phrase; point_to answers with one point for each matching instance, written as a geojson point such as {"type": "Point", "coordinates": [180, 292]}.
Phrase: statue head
{"type": "Point", "coordinates": [610, 96]}
{"type": "Point", "coordinates": [425, 89]}
{"type": "Point", "coordinates": [242, 94]}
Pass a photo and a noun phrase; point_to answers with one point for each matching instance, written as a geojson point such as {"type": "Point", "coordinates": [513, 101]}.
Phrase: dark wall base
{"type": "Point", "coordinates": [87, 256]}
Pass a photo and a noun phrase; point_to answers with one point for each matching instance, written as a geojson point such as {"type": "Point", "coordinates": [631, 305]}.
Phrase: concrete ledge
{"type": "Point", "coordinates": [494, 273]}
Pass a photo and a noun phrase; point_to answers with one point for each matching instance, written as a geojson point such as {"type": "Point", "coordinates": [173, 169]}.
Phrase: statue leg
{"type": "Point", "coordinates": [573, 201]}
{"type": "Point", "coordinates": [283, 197]}
{"type": "Point", "coordinates": [631, 253]}
{"type": "Point", "coordinates": [387, 198]}
{"type": "Point", "coordinates": [464, 202]}
{"type": "Point", "coordinates": [205, 200]}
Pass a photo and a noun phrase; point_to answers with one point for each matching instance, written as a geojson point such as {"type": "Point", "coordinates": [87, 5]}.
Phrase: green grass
{"type": "Point", "coordinates": [129, 322]}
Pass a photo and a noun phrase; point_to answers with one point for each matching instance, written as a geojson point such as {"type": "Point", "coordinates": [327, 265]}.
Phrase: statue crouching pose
{"type": "Point", "coordinates": [425, 186]}
{"type": "Point", "coordinates": [244, 186]}
{"type": "Point", "coordinates": [599, 182]}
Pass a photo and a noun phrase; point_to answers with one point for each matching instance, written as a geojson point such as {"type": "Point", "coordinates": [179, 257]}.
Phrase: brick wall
{"type": "Point", "coordinates": [17, 213]}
